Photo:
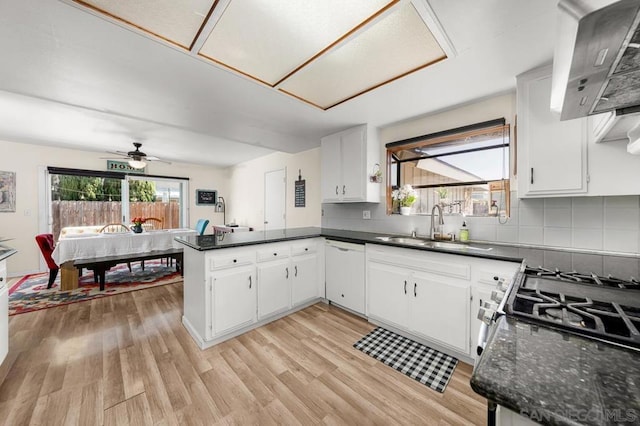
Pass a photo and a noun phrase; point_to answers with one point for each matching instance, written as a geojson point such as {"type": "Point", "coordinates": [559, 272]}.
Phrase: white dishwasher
{"type": "Point", "coordinates": [344, 275]}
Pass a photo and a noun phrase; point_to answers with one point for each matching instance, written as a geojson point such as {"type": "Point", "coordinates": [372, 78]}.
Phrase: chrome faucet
{"type": "Point", "coordinates": [440, 220]}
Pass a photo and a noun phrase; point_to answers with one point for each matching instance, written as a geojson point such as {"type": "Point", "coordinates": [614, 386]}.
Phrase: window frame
{"type": "Point", "coordinates": [470, 131]}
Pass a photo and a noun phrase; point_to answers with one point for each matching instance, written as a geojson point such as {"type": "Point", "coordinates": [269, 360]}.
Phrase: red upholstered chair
{"type": "Point", "coordinates": [46, 244]}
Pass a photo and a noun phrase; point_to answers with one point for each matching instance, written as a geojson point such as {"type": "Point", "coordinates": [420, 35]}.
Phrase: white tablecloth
{"type": "Point", "coordinates": [100, 245]}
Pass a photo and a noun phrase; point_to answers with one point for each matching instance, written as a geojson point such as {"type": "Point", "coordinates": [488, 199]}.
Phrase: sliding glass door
{"type": "Point", "coordinates": [92, 198]}
{"type": "Point", "coordinates": [161, 199]}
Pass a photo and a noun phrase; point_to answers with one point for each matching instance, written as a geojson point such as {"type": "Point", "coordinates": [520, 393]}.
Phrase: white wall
{"type": "Point", "coordinates": [596, 223]}
{"type": "Point", "coordinates": [245, 199]}
{"type": "Point", "coordinates": [25, 160]}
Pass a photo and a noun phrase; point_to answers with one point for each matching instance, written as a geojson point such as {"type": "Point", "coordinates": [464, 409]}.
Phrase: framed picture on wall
{"type": "Point", "coordinates": [7, 191]}
{"type": "Point", "coordinates": [206, 197]}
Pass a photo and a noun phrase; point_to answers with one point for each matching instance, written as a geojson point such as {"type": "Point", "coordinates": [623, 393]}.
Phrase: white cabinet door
{"type": "Point", "coordinates": [4, 311]}
{"type": "Point", "coordinates": [305, 278]}
{"type": "Point", "coordinates": [353, 162]}
{"type": "Point", "coordinates": [344, 276]}
{"type": "Point", "coordinates": [331, 168]}
{"type": "Point", "coordinates": [274, 288]}
{"type": "Point", "coordinates": [552, 153]}
{"type": "Point", "coordinates": [387, 294]}
{"type": "Point", "coordinates": [234, 299]}
{"type": "Point", "coordinates": [440, 310]}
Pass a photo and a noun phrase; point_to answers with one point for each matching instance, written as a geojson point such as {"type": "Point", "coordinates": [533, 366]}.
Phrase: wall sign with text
{"type": "Point", "coordinates": [206, 197]}
{"type": "Point", "coordinates": [123, 167]}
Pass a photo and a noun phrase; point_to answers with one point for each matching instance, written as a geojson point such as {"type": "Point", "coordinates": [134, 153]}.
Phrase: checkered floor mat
{"type": "Point", "coordinates": [420, 362]}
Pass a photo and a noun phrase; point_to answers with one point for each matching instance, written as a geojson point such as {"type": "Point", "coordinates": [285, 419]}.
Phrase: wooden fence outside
{"type": "Point", "coordinates": [87, 213]}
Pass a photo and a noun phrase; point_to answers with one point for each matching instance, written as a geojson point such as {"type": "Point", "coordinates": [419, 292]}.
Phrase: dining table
{"type": "Point", "coordinates": [92, 246]}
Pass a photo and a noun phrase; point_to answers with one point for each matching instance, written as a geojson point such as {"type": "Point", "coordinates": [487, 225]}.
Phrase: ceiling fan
{"type": "Point", "coordinates": [137, 158]}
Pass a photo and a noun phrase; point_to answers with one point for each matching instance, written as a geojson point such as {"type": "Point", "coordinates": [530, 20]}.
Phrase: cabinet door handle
{"type": "Point", "coordinates": [250, 281]}
{"type": "Point", "coordinates": [532, 175]}
{"type": "Point", "coordinates": [336, 189]}
{"type": "Point", "coordinates": [415, 287]}
{"type": "Point", "coordinates": [287, 269]}
{"type": "Point", "coordinates": [405, 286]}
{"type": "Point", "coordinates": [344, 189]}
{"type": "Point", "coordinates": [296, 271]}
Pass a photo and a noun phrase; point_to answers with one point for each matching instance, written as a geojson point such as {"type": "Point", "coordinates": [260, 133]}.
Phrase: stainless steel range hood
{"type": "Point", "coordinates": [596, 65]}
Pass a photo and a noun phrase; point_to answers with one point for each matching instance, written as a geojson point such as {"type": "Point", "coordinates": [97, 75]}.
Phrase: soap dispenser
{"type": "Point", "coordinates": [464, 232]}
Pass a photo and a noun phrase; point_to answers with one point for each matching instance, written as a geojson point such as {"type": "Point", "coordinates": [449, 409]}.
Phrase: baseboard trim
{"type": "Point", "coordinates": [205, 344]}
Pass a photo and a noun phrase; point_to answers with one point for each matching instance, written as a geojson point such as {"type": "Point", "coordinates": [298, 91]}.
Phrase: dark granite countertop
{"type": "Point", "coordinates": [5, 252]}
{"type": "Point", "coordinates": [212, 242]}
{"type": "Point", "coordinates": [558, 378]}
{"type": "Point", "coordinates": [617, 264]}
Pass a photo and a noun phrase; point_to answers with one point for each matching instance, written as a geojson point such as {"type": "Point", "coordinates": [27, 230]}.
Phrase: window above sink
{"type": "Point", "coordinates": [464, 170]}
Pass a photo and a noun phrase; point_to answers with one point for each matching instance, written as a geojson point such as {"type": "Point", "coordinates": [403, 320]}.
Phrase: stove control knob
{"type": "Point", "coordinates": [485, 315]}
{"type": "Point", "coordinates": [497, 296]}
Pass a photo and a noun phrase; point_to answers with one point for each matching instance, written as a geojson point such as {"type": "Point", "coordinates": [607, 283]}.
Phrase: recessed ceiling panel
{"type": "Point", "coordinates": [267, 40]}
{"type": "Point", "coordinates": [176, 21]}
{"type": "Point", "coordinates": [391, 48]}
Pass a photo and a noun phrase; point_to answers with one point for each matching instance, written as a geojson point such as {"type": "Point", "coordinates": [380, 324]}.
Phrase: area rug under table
{"type": "Point", "coordinates": [420, 362]}
{"type": "Point", "coordinates": [31, 294]}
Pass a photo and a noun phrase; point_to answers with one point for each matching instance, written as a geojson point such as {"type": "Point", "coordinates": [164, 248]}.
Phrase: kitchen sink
{"type": "Point", "coordinates": [406, 240]}
{"type": "Point", "coordinates": [433, 244]}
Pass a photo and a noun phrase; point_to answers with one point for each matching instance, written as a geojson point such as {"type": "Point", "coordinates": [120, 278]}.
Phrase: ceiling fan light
{"type": "Point", "coordinates": [137, 164]}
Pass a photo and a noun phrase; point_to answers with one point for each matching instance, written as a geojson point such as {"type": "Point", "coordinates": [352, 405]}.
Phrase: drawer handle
{"type": "Point", "coordinates": [287, 270]}
{"type": "Point", "coordinates": [275, 254]}
{"type": "Point", "coordinates": [344, 187]}
{"type": "Point", "coordinates": [405, 286]}
{"type": "Point", "coordinates": [235, 260]}
{"type": "Point", "coordinates": [415, 287]}
{"type": "Point", "coordinates": [306, 249]}
{"type": "Point", "coordinates": [296, 269]}
{"type": "Point", "coordinates": [249, 281]}
{"type": "Point", "coordinates": [336, 189]}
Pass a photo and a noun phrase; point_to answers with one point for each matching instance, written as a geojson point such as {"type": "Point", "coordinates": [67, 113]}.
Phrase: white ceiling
{"type": "Point", "coordinates": [71, 78]}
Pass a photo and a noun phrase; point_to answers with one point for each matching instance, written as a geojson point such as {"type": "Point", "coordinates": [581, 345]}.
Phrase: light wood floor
{"type": "Point", "coordinates": [127, 359]}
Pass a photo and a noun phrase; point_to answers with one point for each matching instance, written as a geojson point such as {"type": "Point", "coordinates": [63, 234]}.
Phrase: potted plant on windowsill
{"type": "Point", "coordinates": [405, 196]}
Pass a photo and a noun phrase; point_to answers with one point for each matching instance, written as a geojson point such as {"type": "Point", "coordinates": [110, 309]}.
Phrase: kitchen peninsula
{"type": "Point", "coordinates": [237, 282]}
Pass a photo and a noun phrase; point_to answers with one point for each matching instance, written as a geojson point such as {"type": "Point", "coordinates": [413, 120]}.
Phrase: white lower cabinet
{"type": "Point", "coordinates": [304, 285]}
{"type": "Point", "coordinates": [440, 309]}
{"type": "Point", "coordinates": [274, 287]}
{"type": "Point", "coordinates": [229, 291]}
{"type": "Point", "coordinates": [427, 305]}
{"type": "Point", "coordinates": [433, 296]}
{"type": "Point", "coordinates": [387, 294]}
{"type": "Point", "coordinates": [233, 299]}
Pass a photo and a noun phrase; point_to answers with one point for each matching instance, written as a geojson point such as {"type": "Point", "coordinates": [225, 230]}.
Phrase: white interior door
{"type": "Point", "coordinates": [275, 191]}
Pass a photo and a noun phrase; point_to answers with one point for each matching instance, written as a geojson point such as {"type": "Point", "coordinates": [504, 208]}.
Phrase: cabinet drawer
{"type": "Point", "coordinates": [306, 248]}
{"type": "Point", "coordinates": [218, 262]}
{"type": "Point", "coordinates": [273, 253]}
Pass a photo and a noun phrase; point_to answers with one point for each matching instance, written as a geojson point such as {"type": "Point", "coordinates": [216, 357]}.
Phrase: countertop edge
{"type": "Point", "coordinates": [8, 253]}
{"type": "Point", "coordinates": [370, 238]}
{"type": "Point", "coordinates": [246, 243]}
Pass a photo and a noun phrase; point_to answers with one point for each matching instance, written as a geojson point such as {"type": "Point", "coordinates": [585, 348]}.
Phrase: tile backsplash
{"type": "Point", "coordinates": [599, 223]}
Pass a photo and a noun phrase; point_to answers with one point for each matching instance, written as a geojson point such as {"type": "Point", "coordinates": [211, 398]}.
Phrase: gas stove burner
{"type": "Point", "coordinates": [604, 308]}
{"type": "Point", "coordinates": [588, 278]}
{"type": "Point", "coordinates": [558, 315]}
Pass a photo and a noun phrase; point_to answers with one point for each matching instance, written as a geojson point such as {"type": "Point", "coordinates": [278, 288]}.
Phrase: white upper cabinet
{"type": "Point", "coordinates": [348, 158]}
{"type": "Point", "coordinates": [552, 154]}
